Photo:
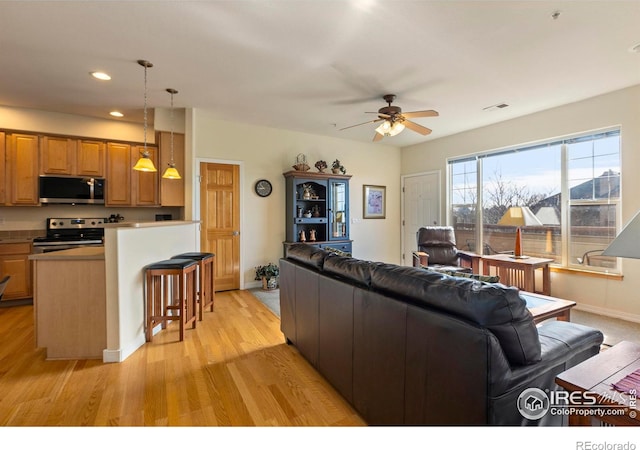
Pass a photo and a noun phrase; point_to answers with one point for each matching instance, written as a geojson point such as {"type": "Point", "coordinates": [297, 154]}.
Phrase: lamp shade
{"type": "Point", "coordinates": [390, 129]}
{"type": "Point", "coordinates": [145, 164]}
{"type": "Point", "coordinates": [627, 243]}
{"type": "Point", "coordinates": [171, 173]}
{"type": "Point", "coordinates": [519, 216]}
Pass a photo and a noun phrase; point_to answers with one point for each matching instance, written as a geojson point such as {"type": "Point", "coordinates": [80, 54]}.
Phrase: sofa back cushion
{"type": "Point", "coordinates": [307, 254]}
{"type": "Point", "coordinates": [498, 308]}
{"type": "Point", "coordinates": [353, 270]}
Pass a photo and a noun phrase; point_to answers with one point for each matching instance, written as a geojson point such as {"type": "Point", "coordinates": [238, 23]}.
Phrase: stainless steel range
{"type": "Point", "coordinates": [67, 232]}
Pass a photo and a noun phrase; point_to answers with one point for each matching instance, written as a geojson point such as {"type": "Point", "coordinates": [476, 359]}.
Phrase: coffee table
{"type": "Point", "coordinates": [544, 307]}
{"type": "Point", "coordinates": [596, 375]}
{"type": "Point", "coordinates": [519, 272]}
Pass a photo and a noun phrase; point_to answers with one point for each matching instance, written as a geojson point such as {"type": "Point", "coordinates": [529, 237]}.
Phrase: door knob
{"type": "Point", "coordinates": [235, 233]}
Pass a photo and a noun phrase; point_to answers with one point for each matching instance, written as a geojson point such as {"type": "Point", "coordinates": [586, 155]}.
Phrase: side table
{"type": "Point", "coordinates": [519, 272]}
{"type": "Point", "coordinates": [596, 375]}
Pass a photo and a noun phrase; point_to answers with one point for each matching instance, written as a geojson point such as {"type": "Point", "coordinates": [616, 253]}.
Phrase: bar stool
{"type": "Point", "coordinates": [171, 287]}
{"type": "Point", "coordinates": [206, 277]}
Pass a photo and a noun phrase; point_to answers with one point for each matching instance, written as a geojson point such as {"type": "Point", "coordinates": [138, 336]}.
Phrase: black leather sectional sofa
{"type": "Point", "coordinates": [410, 346]}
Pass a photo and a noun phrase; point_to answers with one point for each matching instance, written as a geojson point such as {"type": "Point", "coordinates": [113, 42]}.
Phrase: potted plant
{"type": "Point", "coordinates": [269, 276]}
{"type": "Point", "coordinates": [337, 167]}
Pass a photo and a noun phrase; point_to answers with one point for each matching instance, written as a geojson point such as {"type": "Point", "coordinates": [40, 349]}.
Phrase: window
{"type": "Point", "coordinates": [524, 188]}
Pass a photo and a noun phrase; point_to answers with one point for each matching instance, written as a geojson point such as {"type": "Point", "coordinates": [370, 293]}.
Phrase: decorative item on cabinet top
{"type": "Point", "coordinates": [337, 167]}
{"type": "Point", "coordinates": [301, 163]}
{"type": "Point", "coordinates": [321, 165]}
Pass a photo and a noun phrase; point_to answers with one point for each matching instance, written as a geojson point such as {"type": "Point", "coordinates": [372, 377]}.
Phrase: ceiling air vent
{"type": "Point", "coordinates": [494, 107]}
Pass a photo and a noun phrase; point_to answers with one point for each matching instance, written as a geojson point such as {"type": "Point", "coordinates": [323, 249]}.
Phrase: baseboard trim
{"type": "Point", "coordinates": [609, 313]}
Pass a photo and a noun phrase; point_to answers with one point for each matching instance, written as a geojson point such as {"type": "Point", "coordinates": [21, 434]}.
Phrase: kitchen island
{"type": "Point", "coordinates": [69, 303]}
{"type": "Point", "coordinates": [89, 301]}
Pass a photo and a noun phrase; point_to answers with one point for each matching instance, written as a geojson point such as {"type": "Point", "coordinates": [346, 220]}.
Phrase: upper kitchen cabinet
{"type": "Point", "coordinates": [119, 170]}
{"type": "Point", "coordinates": [90, 158]}
{"type": "Point", "coordinates": [58, 156]}
{"type": "Point", "coordinates": [22, 169]}
{"type": "Point", "coordinates": [144, 185]}
{"type": "Point", "coordinates": [171, 191]}
{"type": "Point", "coordinates": [68, 156]}
{"type": "Point", "coordinates": [3, 183]}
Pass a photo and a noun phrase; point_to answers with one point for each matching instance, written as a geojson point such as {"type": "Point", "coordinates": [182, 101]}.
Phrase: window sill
{"type": "Point", "coordinates": [588, 273]}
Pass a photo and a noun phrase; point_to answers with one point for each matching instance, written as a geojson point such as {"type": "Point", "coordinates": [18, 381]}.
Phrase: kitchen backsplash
{"type": "Point", "coordinates": [18, 219]}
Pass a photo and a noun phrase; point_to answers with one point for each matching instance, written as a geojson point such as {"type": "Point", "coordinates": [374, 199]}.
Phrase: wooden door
{"type": "Point", "coordinates": [220, 215]}
{"type": "Point", "coordinates": [119, 170]}
{"type": "Point", "coordinates": [57, 156]}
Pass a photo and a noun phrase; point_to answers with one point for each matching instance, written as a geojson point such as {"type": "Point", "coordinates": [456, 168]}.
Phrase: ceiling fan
{"type": "Point", "coordinates": [394, 120]}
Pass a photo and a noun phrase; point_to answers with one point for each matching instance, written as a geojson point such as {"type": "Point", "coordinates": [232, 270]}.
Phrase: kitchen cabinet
{"type": "Point", "coordinates": [171, 191]}
{"type": "Point", "coordinates": [144, 186]}
{"type": "Point", "coordinates": [22, 169]}
{"type": "Point", "coordinates": [68, 156]}
{"type": "Point", "coordinates": [90, 158]}
{"type": "Point", "coordinates": [14, 261]}
{"type": "Point", "coordinates": [317, 209]}
{"type": "Point", "coordinates": [125, 186]}
{"type": "Point", "coordinates": [3, 183]}
{"type": "Point", "coordinates": [119, 170]}
{"type": "Point", "coordinates": [57, 156]}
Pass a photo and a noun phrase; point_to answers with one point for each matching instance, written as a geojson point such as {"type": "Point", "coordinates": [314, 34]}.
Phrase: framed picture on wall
{"type": "Point", "coordinates": [374, 201]}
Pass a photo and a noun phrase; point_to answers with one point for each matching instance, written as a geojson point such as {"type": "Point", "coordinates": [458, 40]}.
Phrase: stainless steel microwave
{"type": "Point", "coordinates": [72, 190]}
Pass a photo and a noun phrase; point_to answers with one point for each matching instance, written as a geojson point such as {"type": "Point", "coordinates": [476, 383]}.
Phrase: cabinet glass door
{"type": "Point", "coordinates": [339, 219]}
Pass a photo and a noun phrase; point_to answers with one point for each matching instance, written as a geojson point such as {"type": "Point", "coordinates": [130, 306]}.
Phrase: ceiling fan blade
{"type": "Point", "coordinates": [382, 115]}
{"type": "Point", "coordinates": [377, 137]}
{"type": "Point", "coordinates": [417, 128]}
{"type": "Point", "coordinates": [363, 123]}
{"type": "Point", "coordinates": [427, 113]}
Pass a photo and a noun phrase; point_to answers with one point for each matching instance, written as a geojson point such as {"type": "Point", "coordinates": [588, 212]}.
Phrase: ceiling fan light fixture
{"type": "Point", "coordinates": [390, 129]}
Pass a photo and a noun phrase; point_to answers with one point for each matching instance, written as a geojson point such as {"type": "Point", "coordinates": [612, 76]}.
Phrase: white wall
{"type": "Point", "coordinates": [617, 298]}
{"type": "Point", "coordinates": [268, 153]}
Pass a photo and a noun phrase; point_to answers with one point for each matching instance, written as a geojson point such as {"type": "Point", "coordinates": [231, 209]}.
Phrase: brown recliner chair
{"type": "Point", "coordinates": [437, 249]}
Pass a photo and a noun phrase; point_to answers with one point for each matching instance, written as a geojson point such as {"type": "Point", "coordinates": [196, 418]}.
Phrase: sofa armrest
{"type": "Point", "coordinates": [420, 259]}
{"type": "Point", "coordinates": [563, 345]}
{"type": "Point", "coordinates": [471, 260]}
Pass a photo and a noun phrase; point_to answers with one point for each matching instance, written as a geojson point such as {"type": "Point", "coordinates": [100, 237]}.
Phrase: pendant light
{"type": "Point", "coordinates": [171, 173]}
{"type": "Point", "coordinates": [145, 164]}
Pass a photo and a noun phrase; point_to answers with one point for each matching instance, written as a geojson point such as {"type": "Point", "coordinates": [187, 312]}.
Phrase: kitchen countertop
{"type": "Point", "coordinates": [15, 241]}
{"type": "Point", "coordinates": [71, 254]}
{"type": "Point", "coordinates": [161, 223]}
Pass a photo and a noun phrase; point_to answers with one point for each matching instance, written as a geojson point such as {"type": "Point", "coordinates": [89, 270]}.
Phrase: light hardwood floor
{"type": "Point", "coordinates": [234, 369]}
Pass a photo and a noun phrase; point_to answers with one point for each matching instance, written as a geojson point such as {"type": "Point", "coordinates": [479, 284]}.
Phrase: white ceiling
{"type": "Point", "coordinates": [317, 66]}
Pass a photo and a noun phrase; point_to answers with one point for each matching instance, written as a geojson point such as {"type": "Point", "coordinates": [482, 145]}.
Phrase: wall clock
{"type": "Point", "coordinates": [263, 188]}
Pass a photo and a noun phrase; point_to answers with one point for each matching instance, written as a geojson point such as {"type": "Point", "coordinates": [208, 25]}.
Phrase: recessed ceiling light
{"type": "Point", "coordinates": [116, 114]}
{"type": "Point", "coordinates": [101, 76]}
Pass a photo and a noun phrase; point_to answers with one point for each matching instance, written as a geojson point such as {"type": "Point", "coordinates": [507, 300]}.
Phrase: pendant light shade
{"type": "Point", "coordinates": [171, 173]}
{"type": "Point", "coordinates": [145, 164]}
